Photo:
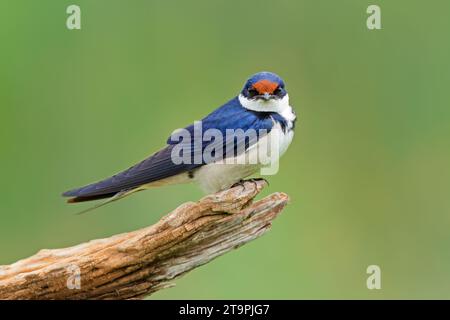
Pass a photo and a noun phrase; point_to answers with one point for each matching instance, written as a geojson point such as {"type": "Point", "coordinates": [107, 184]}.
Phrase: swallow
{"type": "Point", "coordinates": [262, 106]}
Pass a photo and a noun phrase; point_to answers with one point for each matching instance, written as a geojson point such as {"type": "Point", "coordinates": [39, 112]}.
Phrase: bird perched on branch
{"type": "Point", "coordinates": [207, 152]}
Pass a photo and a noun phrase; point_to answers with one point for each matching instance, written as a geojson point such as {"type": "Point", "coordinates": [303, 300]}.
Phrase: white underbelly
{"type": "Point", "coordinates": [218, 176]}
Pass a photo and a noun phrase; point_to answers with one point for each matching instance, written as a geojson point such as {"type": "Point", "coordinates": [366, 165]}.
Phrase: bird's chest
{"type": "Point", "coordinates": [282, 140]}
{"type": "Point", "coordinates": [282, 133]}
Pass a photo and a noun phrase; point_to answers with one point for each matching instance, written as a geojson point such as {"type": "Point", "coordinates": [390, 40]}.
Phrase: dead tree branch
{"type": "Point", "coordinates": [135, 264]}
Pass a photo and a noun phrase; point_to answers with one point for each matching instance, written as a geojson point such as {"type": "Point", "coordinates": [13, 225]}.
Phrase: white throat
{"type": "Point", "coordinates": [273, 105]}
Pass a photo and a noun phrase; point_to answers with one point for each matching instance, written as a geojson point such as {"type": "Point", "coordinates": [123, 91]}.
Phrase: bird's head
{"type": "Point", "coordinates": [264, 92]}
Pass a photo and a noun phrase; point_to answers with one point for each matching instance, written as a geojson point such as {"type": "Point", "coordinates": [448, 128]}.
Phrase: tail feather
{"type": "Point", "coordinates": [114, 197]}
{"type": "Point", "coordinates": [90, 198]}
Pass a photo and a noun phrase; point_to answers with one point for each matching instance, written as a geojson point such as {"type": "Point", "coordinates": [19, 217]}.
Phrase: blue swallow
{"type": "Point", "coordinates": [262, 107]}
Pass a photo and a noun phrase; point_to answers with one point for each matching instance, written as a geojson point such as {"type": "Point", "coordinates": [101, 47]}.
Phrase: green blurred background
{"type": "Point", "coordinates": [368, 171]}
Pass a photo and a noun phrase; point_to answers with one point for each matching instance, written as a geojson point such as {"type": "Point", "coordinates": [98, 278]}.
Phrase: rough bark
{"type": "Point", "coordinates": [135, 264]}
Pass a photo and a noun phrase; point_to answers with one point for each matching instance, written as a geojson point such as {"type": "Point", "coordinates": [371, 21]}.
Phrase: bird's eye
{"type": "Point", "coordinates": [277, 91]}
{"type": "Point", "coordinates": [252, 92]}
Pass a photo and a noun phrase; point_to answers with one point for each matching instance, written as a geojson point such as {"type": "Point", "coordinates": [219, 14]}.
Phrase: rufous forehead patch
{"type": "Point", "coordinates": [264, 86]}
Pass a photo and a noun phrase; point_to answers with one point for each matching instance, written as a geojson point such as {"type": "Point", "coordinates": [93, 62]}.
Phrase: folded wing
{"type": "Point", "coordinates": [161, 165]}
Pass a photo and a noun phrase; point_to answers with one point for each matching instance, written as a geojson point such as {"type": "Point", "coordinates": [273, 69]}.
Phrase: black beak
{"type": "Point", "coordinates": [266, 96]}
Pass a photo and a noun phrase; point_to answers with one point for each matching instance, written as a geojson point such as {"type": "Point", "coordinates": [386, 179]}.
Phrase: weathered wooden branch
{"type": "Point", "coordinates": [135, 264]}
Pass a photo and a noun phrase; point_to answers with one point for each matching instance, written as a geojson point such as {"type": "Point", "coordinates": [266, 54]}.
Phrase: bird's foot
{"type": "Point", "coordinates": [253, 180]}
{"type": "Point", "coordinates": [258, 179]}
{"type": "Point", "coordinates": [240, 183]}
